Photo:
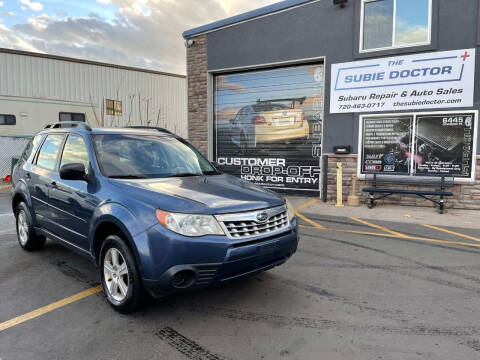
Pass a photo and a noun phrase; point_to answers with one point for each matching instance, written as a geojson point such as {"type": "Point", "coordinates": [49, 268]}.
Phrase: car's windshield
{"type": "Point", "coordinates": [148, 156]}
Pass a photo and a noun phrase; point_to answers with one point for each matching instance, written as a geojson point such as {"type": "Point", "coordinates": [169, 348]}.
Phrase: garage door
{"type": "Point", "coordinates": [268, 126]}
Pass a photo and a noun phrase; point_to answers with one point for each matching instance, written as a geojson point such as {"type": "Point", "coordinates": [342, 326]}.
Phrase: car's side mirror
{"type": "Point", "coordinates": [74, 171]}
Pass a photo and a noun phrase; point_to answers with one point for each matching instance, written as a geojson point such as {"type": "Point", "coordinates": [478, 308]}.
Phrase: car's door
{"type": "Point", "coordinates": [72, 202]}
{"type": "Point", "coordinates": [24, 168]}
{"type": "Point", "coordinates": [238, 126]}
{"type": "Point", "coordinates": [42, 176]}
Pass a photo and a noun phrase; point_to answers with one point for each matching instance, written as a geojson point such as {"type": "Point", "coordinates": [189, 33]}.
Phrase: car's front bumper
{"type": "Point", "coordinates": [214, 260]}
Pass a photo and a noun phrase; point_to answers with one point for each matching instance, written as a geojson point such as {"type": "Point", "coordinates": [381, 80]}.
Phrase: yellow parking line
{"type": "Point", "coordinates": [304, 218]}
{"type": "Point", "coordinates": [382, 228]}
{"type": "Point", "coordinates": [301, 207]}
{"type": "Point", "coordinates": [407, 237]}
{"type": "Point", "coordinates": [452, 232]}
{"type": "Point", "coordinates": [311, 222]}
{"type": "Point", "coordinates": [48, 308]}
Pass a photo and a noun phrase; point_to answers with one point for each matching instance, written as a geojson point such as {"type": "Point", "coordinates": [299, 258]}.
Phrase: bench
{"type": "Point", "coordinates": [375, 180]}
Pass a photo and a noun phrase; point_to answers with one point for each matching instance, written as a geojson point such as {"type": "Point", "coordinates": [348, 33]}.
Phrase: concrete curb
{"type": "Point", "coordinates": [393, 213]}
{"type": "Point", "coordinates": [5, 188]}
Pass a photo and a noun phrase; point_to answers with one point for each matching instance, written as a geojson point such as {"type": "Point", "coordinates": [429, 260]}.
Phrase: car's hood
{"type": "Point", "coordinates": [215, 194]}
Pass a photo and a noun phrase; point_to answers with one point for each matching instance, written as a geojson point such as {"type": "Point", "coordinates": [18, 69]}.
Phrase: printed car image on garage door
{"type": "Point", "coordinates": [268, 126]}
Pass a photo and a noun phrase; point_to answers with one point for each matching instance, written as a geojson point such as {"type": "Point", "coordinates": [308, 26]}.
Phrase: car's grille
{"type": "Point", "coordinates": [240, 226]}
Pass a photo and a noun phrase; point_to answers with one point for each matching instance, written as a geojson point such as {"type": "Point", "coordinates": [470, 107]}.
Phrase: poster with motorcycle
{"type": "Point", "coordinates": [268, 126]}
{"type": "Point", "coordinates": [386, 145]}
{"type": "Point", "coordinates": [445, 144]}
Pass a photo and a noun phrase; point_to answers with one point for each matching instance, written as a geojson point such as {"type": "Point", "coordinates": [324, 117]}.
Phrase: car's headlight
{"type": "Point", "coordinates": [290, 209]}
{"type": "Point", "coordinates": [190, 224]}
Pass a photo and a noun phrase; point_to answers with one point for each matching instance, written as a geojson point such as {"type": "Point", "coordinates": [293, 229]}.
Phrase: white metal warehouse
{"type": "Point", "coordinates": [37, 89]}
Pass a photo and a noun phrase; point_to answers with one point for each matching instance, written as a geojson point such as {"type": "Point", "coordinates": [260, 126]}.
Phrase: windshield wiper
{"type": "Point", "coordinates": [127, 177]}
{"type": "Point", "coordinates": [183, 175]}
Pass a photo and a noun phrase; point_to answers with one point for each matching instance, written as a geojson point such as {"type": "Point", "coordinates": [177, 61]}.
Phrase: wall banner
{"type": "Point", "coordinates": [421, 81]}
{"type": "Point", "coordinates": [268, 126]}
{"type": "Point", "coordinates": [419, 144]}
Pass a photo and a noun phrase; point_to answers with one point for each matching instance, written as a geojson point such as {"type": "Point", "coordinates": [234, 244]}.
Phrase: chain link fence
{"type": "Point", "coordinates": [10, 147]}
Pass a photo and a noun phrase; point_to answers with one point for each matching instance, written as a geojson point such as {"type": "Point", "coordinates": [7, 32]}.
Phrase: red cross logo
{"type": "Point", "coordinates": [465, 56]}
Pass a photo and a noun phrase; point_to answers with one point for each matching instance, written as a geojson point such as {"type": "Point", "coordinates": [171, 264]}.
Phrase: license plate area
{"type": "Point", "coordinates": [285, 121]}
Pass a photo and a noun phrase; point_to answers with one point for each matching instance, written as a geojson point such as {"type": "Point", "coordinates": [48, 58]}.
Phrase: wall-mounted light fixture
{"type": "Point", "coordinates": [189, 43]}
{"type": "Point", "coordinates": [342, 149]}
{"type": "Point", "coordinates": [340, 2]}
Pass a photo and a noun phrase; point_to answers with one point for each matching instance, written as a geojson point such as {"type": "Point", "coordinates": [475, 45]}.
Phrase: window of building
{"type": "Point", "coordinates": [67, 116]}
{"type": "Point", "coordinates": [395, 23]}
{"type": "Point", "coordinates": [47, 157]}
{"type": "Point", "coordinates": [8, 120]}
{"type": "Point", "coordinates": [75, 151]}
{"type": "Point", "coordinates": [114, 107]}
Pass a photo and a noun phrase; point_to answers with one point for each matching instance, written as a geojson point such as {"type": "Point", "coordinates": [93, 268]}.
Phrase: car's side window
{"type": "Point", "coordinates": [75, 151]}
{"type": "Point", "coordinates": [242, 113]}
{"type": "Point", "coordinates": [47, 158]}
{"type": "Point", "coordinates": [31, 149]}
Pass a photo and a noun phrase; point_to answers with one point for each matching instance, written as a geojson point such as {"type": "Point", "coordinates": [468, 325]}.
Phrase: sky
{"type": "Point", "coordinates": [139, 33]}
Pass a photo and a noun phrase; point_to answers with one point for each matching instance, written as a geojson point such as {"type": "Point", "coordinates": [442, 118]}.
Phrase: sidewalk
{"type": "Point", "coordinates": [4, 187]}
{"type": "Point", "coordinates": [395, 213]}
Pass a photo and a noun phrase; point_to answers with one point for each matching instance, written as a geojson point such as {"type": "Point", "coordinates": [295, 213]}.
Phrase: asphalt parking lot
{"type": "Point", "coordinates": [356, 289]}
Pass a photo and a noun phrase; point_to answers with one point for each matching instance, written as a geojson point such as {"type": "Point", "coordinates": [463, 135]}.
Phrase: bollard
{"type": "Point", "coordinates": [339, 184]}
{"type": "Point", "coordinates": [353, 199]}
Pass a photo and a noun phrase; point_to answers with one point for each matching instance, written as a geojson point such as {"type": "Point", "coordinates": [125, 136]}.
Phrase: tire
{"type": "Point", "coordinates": [26, 236]}
{"type": "Point", "coordinates": [120, 278]}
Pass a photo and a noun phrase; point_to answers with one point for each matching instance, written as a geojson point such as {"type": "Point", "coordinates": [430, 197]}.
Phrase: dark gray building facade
{"type": "Point", "coordinates": [270, 100]}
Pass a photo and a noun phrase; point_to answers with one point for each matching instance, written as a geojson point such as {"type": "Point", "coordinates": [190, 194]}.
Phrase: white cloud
{"type": "Point", "coordinates": [1, 3]}
{"type": "Point", "coordinates": [143, 33]}
{"type": "Point", "coordinates": [33, 5]}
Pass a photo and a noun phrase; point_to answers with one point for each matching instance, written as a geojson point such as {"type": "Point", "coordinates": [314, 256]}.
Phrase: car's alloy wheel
{"type": "Point", "coordinates": [243, 144]}
{"type": "Point", "coordinates": [22, 226]}
{"type": "Point", "coordinates": [116, 276]}
{"type": "Point", "coordinates": [27, 237]}
{"type": "Point", "coordinates": [121, 280]}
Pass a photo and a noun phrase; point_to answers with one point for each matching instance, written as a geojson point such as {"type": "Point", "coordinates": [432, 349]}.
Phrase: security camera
{"type": "Point", "coordinates": [190, 43]}
{"type": "Point", "coordinates": [340, 2]}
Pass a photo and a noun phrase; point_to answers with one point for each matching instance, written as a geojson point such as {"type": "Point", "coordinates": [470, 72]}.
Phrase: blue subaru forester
{"type": "Point", "coordinates": [148, 209]}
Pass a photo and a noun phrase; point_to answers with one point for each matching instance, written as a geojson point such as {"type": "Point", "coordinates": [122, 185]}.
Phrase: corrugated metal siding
{"type": "Point", "coordinates": [162, 97]}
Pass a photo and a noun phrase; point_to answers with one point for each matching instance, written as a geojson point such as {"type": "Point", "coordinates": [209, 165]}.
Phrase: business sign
{"type": "Point", "coordinates": [425, 144]}
{"type": "Point", "coordinates": [268, 126]}
{"type": "Point", "coordinates": [421, 81]}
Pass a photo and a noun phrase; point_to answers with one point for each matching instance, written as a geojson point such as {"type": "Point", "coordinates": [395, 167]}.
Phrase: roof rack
{"type": "Point", "coordinates": [151, 128]}
{"type": "Point", "coordinates": [69, 124]}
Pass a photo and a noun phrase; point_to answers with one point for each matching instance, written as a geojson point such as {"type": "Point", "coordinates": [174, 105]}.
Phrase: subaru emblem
{"type": "Point", "coordinates": [262, 216]}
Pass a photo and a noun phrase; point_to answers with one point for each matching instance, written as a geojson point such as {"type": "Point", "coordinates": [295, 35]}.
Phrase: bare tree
{"type": "Point", "coordinates": [93, 109]}
{"type": "Point", "coordinates": [132, 97]}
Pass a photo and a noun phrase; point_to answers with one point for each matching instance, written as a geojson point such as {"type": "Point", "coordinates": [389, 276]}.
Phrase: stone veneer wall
{"type": "Point", "coordinates": [197, 77]}
{"type": "Point", "coordinates": [466, 196]}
